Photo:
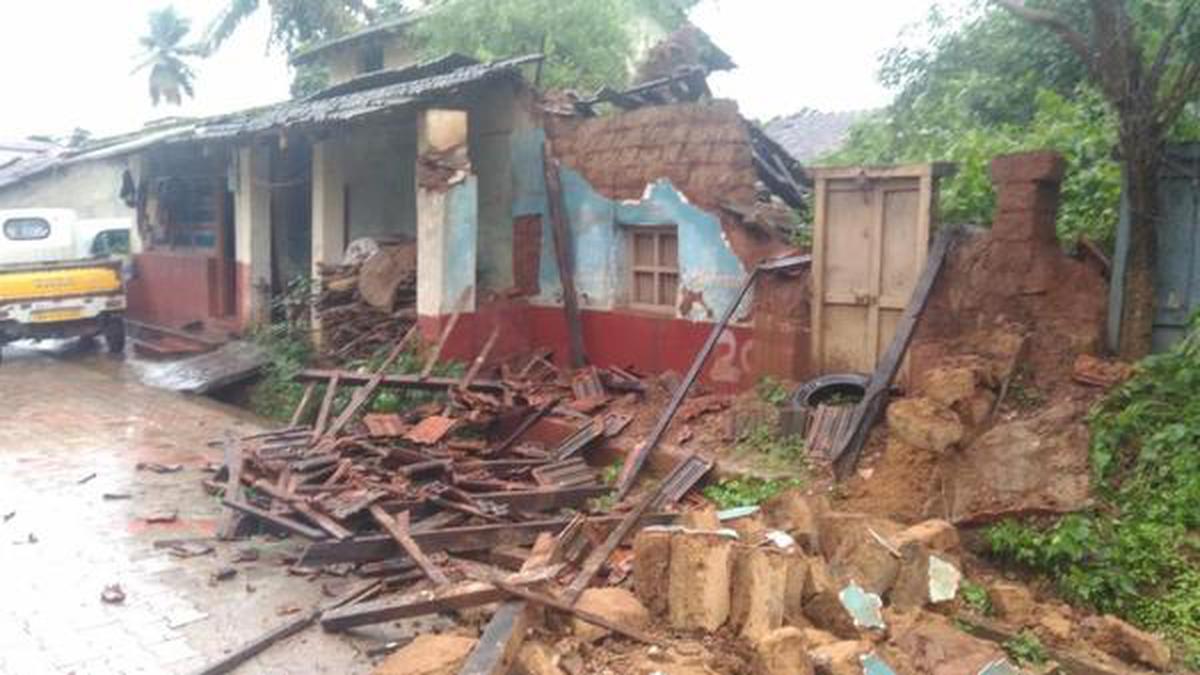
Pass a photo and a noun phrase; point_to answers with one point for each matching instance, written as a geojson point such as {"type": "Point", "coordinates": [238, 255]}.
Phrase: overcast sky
{"type": "Point", "coordinates": [67, 63]}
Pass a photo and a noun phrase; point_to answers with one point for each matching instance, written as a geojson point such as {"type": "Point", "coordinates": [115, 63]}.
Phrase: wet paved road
{"type": "Point", "coordinates": [66, 415]}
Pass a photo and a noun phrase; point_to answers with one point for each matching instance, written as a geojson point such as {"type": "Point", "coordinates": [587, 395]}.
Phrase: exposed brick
{"type": "Point", "coordinates": [527, 250]}
{"type": "Point", "coordinates": [1042, 165]}
{"type": "Point", "coordinates": [1031, 226]}
{"type": "Point", "coordinates": [1038, 196]}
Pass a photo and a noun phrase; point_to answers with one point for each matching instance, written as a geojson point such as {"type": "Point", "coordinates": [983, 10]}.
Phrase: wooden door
{"type": "Point", "coordinates": [871, 235]}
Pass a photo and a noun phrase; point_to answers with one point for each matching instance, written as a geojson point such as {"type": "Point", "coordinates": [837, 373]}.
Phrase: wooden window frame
{"type": "Point", "coordinates": [658, 269]}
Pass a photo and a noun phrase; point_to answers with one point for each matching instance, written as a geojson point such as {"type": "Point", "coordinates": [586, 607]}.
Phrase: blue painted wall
{"type": "Point", "coordinates": [600, 226]}
{"type": "Point", "coordinates": [461, 232]}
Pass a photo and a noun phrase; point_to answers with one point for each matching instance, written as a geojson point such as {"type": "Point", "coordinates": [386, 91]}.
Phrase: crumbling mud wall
{"type": "Point", "coordinates": [1015, 274]}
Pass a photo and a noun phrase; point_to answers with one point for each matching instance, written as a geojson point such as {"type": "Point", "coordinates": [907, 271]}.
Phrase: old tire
{"type": "Point", "coordinates": [114, 336]}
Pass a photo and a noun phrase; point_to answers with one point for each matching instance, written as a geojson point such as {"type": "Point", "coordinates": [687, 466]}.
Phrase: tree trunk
{"type": "Point", "coordinates": [1137, 316]}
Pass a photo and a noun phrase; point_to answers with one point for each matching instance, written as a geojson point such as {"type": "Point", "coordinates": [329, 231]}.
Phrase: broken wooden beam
{"type": "Point", "coordinates": [501, 639]}
{"type": "Point", "coordinates": [462, 595]}
{"type": "Point", "coordinates": [562, 254]}
{"type": "Point", "coordinates": [397, 527]}
{"type": "Point", "coordinates": [231, 520]}
{"type": "Point", "coordinates": [560, 606]}
{"type": "Point", "coordinates": [282, 522]}
{"type": "Point", "coordinates": [849, 446]}
{"type": "Point", "coordinates": [397, 381]}
{"type": "Point", "coordinates": [451, 539]}
{"type": "Point", "coordinates": [480, 359]}
{"type": "Point", "coordinates": [633, 464]}
{"type": "Point", "coordinates": [364, 394]}
{"type": "Point", "coordinates": [326, 407]}
{"type": "Point", "coordinates": [256, 646]}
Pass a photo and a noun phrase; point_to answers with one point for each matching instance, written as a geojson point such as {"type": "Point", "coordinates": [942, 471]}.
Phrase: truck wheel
{"type": "Point", "coordinates": [114, 336]}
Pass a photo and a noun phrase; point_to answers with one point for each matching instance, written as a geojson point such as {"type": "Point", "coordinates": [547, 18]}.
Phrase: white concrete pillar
{"type": "Point", "coordinates": [252, 233]}
{"type": "Point", "coordinates": [447, 219]}
{"type": "Point", "coordinates": [328, 203]}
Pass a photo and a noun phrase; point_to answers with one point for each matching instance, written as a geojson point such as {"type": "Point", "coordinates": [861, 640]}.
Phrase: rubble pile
{"type": "Point", "coordinates": [367, 302]}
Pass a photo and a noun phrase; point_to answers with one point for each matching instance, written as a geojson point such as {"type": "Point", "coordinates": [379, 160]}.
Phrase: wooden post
{"type": "Point", "coordinates": [562, 253]}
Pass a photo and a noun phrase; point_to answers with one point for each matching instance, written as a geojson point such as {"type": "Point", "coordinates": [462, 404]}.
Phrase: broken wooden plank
{"type": "Point", "coordinates": [398, 381]}
{"type": "Point", "coordinates": [633, 464]}
{"type": "Point", "coordinates": [397, 528]}
{"type": "Point", "coordinates": [524, 426]}
{"type": "Point", "coordinates": [283, 522]}
{"type": "Point", "coordinates": [299, 505]}
{"type": "Point", "coordinates": [326, 406]}
{"type": "Point", "coordinates": [501, 639]}
{"type": "Point", "coordinates": [480, 359]}
{"type": "Point", "coordinates": [451, 539]}
{"type": "Point", "coordinates": [600, 555]}
{"type": "Point", "coordinates": [232, 520]}
{"type": "Point", "coordinates": [445, 337]}
{"type": "Point", "coordinates": [363, 395]}
{"type": "Point", "coordinates": [461, 595]}
{"type": "Point", "coordinates": [302, 406]}
{"type": "Point", "coordinates": [849, 446]}
{"type": "Point", "coordinates": [249, 650]}
{"type": "Point", "coordinates": [562, 254]}
{"type": "Point", "coordinates": [560, 606]}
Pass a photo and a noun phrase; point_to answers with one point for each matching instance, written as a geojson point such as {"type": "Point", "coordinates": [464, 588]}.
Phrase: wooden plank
{"type": "Point", "coordinates": [600, 555]}
{"type": "Point", "coordinates": [461, 595]}
{"type": "Point", "coordinates": [256, 646]}
{"type": "Point", "coordinates": [560, 606]}
{"type": "Point", "coordinates": [500, 642]}
{"type": "Point", "coordinates": [846, 450]}
{"type": "Point", "coordinates": [234, 462]}
{"type": "Point", "coordinates": [299, 505]}
{"type": "Point", "coordinates": [277, 520]}
{"type": "Point", "coordinates": [398, 381]}
{"type": "Point", "coordinates": [302, 406]}
{"type": "Point", "coordinates": [326, 407]}
{"type": "Point", "coordinates": [524, 426]}
{"type": "Point", "coordinates": [562, 254]}
{"type": "Point", "coordinates": [363, 395]}
{"type": "Point", "coordinates": [477, 364]}
{"type": "Point", "coordinates": [441, 343]}
{"type": "Point", "coordinates": [634, 462]}
{"type": "Point", "coordinates": [397, 528]}
{"type": "Point", "coordinates": [452, 539]}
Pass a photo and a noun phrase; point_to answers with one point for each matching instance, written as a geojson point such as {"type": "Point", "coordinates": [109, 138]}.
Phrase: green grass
{"type": "Point", "coordinates": [1137, 553]}
{"type": "Point", "coordinates": [748, 491]}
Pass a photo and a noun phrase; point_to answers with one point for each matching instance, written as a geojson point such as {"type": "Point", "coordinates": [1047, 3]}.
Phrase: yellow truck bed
{"type": "Point", "coordinates": [59, 281]}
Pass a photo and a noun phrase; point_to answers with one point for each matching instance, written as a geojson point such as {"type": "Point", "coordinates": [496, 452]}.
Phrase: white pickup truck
{"type": "Point", "coordinates": [62, 276]}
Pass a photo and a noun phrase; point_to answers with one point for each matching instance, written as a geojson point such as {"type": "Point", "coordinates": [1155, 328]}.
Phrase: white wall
{"type": "Point", "coordinates": [91, 188]}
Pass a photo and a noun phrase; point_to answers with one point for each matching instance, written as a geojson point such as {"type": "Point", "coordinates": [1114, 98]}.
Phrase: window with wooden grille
{"type": "Point", "coordinates": [654, 259]}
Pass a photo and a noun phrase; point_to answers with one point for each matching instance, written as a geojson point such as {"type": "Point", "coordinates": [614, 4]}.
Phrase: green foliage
{"type": "Point", "coordinates": [946, 130]}
{"type": "Point", "coordinates": [308, 79]}
{"type": "Point", "coordinates": [762, 441]}
{"type": "Point", "coordinates": [587, 43]}
{"type": "Point", "coordinates": [1136, 553]}
{"type": "Point", "coordinates": [748, 491]}
{"type": "Point", "coordinates": [976, 597]}
{"type": "Point", "coordinates": [1026, 649]}
{"type": "Point", "coordinates": [276, 394]}
{"type": "Point", "coordinates": [771, 390]}
{"type": "Point", "coordinates": [293, 22]}
{"type": "Point", "coordinates": [612, 472]}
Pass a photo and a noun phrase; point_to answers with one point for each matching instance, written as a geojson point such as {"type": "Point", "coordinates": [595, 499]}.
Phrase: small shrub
{"type": "Point", "coordinates": [1026, 649]}
{"type": "Point", "coordinates": [976, 598]}
{"type": "Point", "coordinates": [748, 491]}
{"type": "Point", "coordinates": [771, 390]}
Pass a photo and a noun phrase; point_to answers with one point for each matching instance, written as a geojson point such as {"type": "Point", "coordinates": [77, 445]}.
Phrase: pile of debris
{"type": "Point", "coordinates": [432, 504]}
{"type": "Point", "coordinates": [368, 301]}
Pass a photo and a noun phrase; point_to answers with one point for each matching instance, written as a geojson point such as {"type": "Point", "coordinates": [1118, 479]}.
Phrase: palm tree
{"type": "Point", "coordinates": [170, 75]}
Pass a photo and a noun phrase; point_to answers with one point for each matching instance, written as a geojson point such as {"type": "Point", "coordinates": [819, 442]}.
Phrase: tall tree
{"type": "Point", "coordinates": [166, 57]}
{"type": "Point", "coordinates": [1145, 59]}
{"type": "Point", "coordinates": [293, 22]}
{"type": "Point", "coordinates": [587, 43]}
